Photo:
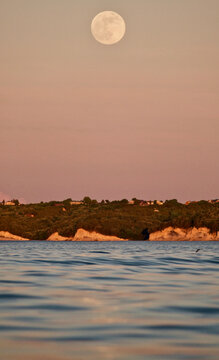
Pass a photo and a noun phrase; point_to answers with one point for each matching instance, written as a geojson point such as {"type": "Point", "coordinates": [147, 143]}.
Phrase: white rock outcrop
{"type": "Point", "coordinates": [178, 234]}
{"type": "Point", "coordinates": [168, 234]}
{"type": "Point", "coordinates": [84, 235]}
{"type": "Point", "coordinates": [5, 235]}
{"type": "Point", "coordinates": [57, 237]}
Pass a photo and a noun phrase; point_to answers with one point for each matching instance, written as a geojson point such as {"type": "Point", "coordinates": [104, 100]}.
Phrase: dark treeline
{"type": "Point", "coordinates": [119, 218]}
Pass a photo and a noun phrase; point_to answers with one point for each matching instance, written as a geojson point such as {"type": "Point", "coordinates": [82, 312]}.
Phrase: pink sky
{"type": "Point", "coordinates": [137, 119]}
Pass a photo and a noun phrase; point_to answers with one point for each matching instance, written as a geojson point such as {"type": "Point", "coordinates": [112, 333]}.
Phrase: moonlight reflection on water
{"type": "Point", "coordinates": [132, 300]}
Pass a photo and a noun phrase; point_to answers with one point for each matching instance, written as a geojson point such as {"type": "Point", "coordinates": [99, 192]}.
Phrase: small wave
{"type": "Point", "coordinates": [76, 338]}
{"type": "Point", "coordinates": [54, 307]}
{"type": "Point", "coordinates": [206, 329]}
{"type": "Point", "coordinates": [99, 252]}
{"type": "Point", "coordinates": [9, 328]}
{"type": "Point", "coordinates": [64, 262]}
{"type": "Point", "coordinates": [15, 282]}
{"type": "Point", "coordinates": [195, 309]}
{"type": "Point", "coordinates": [14, 296]}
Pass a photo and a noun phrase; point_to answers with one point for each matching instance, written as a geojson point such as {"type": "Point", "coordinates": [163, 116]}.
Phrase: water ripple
{"type": "Point", "coordinates": [121, 301]}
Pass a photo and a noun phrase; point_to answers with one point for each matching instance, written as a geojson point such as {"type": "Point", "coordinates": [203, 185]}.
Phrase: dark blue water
{"type": "Point", "coordinates": [135, 300]}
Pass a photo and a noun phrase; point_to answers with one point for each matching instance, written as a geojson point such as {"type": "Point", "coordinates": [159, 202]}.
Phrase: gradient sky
{"type": "Point", "coordinates": [136, 119]}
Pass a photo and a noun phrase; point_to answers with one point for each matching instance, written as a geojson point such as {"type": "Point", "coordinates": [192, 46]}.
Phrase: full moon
{"type": "Point", "coordinates": [108, 27]}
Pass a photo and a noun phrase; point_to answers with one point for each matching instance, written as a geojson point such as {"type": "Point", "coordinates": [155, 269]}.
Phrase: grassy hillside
{"type": "Point", "coordinates": [39, 221]}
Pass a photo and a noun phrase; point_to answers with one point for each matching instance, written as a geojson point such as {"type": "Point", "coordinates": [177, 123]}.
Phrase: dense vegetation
{"type": "Point", "coordinates": [39, 221]}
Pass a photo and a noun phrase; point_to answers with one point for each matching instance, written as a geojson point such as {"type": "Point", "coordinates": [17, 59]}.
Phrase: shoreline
{"type": "Point", "coordinates": [168, 234]}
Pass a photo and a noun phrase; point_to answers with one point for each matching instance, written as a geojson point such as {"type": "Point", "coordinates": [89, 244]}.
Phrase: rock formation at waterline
{"type": "Point", "coordinates": [168, 234]}
{"type": "Point", "coordinates": [56, 237]}
{"type": "Point", "coordinates": [5, 235]}
{"type": "Point", "coordinates": [84, 235]}
{"type": "Point", "coordinates": [178, 234]}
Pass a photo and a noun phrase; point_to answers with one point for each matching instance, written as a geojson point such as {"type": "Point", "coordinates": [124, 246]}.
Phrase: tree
{"type": "Point", "coordinates": [173, 202]}
{"type": "Point", "coordinates": [87, 200]}
{"type": "Point", "coordinates": [136, 201]}
{"type": "Point", "coordinates": [67, 202]}
{"type": "Point", "coordinates": [124, 201]}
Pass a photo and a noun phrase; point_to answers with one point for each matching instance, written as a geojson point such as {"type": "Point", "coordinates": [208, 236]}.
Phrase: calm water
{"type": "Point", "coordinates": [136, 300]}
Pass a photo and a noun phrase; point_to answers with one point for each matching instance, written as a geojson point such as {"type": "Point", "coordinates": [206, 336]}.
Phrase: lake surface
{"type": "Point", "coordinates": [93, 300]}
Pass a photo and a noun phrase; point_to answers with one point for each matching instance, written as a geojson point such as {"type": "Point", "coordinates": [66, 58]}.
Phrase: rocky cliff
{"type": "Point", "coordinates": [178, 234]}
{"type": "Point", "coordinates": [84, 235]}
{"type": "Point", "coordinates": [5, 235]}
{"type": "Point", "coordinates": [57, 237]}
{"type": "Point", "coordinates": [168, 234]}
